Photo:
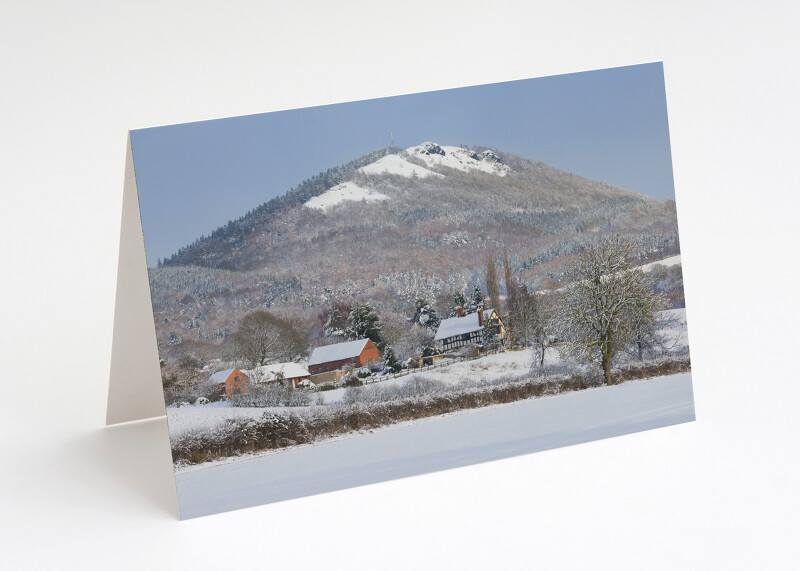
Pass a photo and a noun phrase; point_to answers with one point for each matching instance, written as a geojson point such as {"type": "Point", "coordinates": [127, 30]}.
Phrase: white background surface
{"type": "Point", "coordinates": [718, 493]}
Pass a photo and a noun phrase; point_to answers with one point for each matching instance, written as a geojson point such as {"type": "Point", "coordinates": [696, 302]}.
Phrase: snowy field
{"type": "Point", "coordinates": [486, 368]}
{"type": "Point", "coordinates": [438, 443]}
{"type": "Point", "coordinates": [203, 417]}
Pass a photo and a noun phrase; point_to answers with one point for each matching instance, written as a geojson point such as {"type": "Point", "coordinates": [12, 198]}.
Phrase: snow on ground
{"type": "Point", "coordinates": [677, 333]}
{"type": "Point", "coordinates": [202, 417]}
{"type": "Point", "coordinates": [486, 368]}
{"type": "Point", "coordinates": [392, 164]}
{"type": "Point", "coordinates": [671, 261]}
{"type": "Point", "coordinates": [490, 367]}
{"type": "Point", "coordinates": [457, 158]}
{"type": "Point", "coordinates": [438, 443]}
{"type": "Point", "coordinates": [341, 193]}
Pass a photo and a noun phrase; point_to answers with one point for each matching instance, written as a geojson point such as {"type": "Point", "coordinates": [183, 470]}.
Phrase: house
{"type": "Point", "coordinates": [235, 381]}
{"type": "Point", "coordinates": [492, 319]}
{"type": "Point", "coordinates": [292, 372]}
{"type": "Point", "coordinates": [333, 357]}
{"type": "Point", "coordinates": [464, 330]}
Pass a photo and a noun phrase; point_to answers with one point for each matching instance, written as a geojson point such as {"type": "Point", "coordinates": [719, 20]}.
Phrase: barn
{"type": "Point", "coordinates": [463, 330]}
{"type": "Point", "coordinates": [333, 357]}
{"type": "Point", "coordinates": [235, 381]}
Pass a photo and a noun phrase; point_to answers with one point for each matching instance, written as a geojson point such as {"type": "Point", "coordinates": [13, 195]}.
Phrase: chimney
{"type": "Point", "coordinates": [480, 317]}
{"type": "Point", "coordinates": [460, 311]}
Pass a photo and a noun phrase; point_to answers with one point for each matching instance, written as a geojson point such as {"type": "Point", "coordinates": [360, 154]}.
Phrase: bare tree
{"type": "Point", "coordinates": [510, 285]}
{"type": "Point", "coordinates": [491, 282]}
{"type": "Point", "coordinates": [523, 314]}
{"type": "Point", "coordinates": [545, 325]}
{"type": "Point", "coordinates": [649, 334]}
{"type": "Point", "coordinates": [263, 336]}
{"type": "Point", "coordinates": [606, 303]}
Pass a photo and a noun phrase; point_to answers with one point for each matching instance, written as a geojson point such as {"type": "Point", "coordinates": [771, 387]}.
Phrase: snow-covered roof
{"type": "Point", "coordinates": [457, 326]}
{"type": "Point", "coordinates": [268, 372]}
{"type": "Point", "coordinates": [337, 352]}
{"type": "Point", "coordinates": [221, 376]}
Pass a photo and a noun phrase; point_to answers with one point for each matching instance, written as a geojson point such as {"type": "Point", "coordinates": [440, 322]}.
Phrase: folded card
{"type": "Point", "coordinates": [341, 295]}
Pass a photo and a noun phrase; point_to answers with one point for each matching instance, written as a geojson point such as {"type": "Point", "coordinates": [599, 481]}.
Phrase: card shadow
{"type": "Point", "coordinates": [134, 456]}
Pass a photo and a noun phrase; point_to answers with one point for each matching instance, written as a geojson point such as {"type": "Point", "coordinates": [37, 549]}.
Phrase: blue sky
{"type": "Point", "coordinates": [608, 125]}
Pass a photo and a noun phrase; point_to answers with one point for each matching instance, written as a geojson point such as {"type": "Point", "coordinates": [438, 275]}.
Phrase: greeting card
{"type": "Point", "coordinates": [336, 296]}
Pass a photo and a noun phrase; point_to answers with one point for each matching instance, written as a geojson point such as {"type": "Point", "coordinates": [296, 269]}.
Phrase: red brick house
{"type": "Point", "coordinates": [333, 357]}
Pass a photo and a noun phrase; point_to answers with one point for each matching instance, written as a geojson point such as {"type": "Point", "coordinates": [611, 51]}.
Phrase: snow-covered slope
{"type": "Point", "coordinates": [458, 158]}
{"type": "Point", "coordinates": [671, 261]}
{"type": "Point", "coordinates": [344, 192]}
{"type": "Point", "coordinates": [393, 164]}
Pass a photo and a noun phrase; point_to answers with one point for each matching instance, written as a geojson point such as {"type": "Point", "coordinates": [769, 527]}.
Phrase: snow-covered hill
{"type": "Point", "coordinates": [459, 158]}
{"type": "Point", "coordinates": [392, 226]}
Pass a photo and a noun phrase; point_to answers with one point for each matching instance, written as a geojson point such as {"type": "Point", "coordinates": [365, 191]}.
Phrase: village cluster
{"type": "Point", "coordinates": [331, 364]}
{"type": "Point", "coordinates": [610, 310]}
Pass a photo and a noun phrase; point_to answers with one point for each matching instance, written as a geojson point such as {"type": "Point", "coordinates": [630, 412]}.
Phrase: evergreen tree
{"type": "Point", "coordinates": [429, 351]}
{"type": "Point", "coordinates": [363, 322]}
{"type": "Point", "coordinates": [475, 301]}
{"type": "Point", "coordinates": [332, 323]}
{"type": "Point", "coordinates": [490, 333]}
{"type": "Point", "coordinates": [336, 323]}
{"type": "Point", "coordinates": [390, 362]}
{"type": "Point", "coordinates": [425, 315]}
{"type": "Point", "coordinates": [458, 300]}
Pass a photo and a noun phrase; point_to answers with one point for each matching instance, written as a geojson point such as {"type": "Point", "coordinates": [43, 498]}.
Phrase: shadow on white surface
{"type": "Point", "coordinates": [134, 457]}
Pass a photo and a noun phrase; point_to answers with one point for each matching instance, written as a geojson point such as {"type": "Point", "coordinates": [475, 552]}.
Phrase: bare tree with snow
{"type": "Point", "coordinates": [606, 304]}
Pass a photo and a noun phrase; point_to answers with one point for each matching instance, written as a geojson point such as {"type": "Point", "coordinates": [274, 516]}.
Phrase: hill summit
{"type": "Point", "coordinates": [397, 224]}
